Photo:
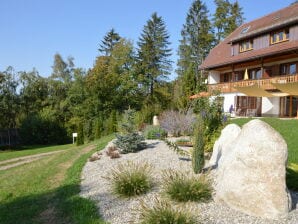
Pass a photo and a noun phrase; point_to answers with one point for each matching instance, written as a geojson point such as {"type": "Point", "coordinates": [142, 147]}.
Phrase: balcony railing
{"type": "Point", "coordinates": [229, 87]}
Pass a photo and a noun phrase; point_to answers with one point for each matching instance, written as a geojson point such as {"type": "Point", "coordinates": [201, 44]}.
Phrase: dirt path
{"type": "Point", "coordinates": [10, 163]}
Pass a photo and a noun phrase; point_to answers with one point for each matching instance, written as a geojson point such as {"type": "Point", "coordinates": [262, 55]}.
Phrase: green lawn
{"type": "Point", "coordinates": [46, 190]}
{"type": "Point", "coordinates": [27, 151]}
{"type": "Point", "coordinates": [288, 128]}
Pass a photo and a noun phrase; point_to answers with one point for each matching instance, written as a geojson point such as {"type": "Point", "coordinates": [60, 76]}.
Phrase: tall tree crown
{"type": "Point", "coordinates": [108, 42]}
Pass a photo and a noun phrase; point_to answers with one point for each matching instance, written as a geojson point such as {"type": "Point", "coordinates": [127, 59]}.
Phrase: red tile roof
{"type": "Point", "coordinates": [221, 54]}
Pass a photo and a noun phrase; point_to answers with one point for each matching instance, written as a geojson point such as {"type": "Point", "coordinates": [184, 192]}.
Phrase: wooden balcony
{"type": "Point", "coordinates": [228, 87]}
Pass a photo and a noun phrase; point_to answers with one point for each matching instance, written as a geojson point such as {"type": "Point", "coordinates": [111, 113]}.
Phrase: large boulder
{"type": "Point", "coordinates": [221, 146]}
{"type": "Point", "coordinates": [251, 177]}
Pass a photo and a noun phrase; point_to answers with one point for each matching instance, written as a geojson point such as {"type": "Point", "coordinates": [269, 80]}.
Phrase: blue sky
{"type": "Point", "coordinates": [32, 31]}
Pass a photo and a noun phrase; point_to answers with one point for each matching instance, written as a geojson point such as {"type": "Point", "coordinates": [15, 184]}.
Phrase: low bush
{"type": "Point", "coordinates": [163, 212]}
{"type": "Point", "coordinates": [177, 123]}
{"type": "Point", "coordinates": [181, 187]}
{"type": "Point", "coordinates": [129, 140]}
{"type": "Point", "coordinates": [130, 179]}
{"type": "Point", "coordinates": [154, 132]}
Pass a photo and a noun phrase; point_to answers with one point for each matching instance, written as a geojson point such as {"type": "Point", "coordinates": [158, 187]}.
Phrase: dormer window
{"type": "Point", "coordinates": [246, 45]}
{"type": "Point", "coordinates": [279, 36]}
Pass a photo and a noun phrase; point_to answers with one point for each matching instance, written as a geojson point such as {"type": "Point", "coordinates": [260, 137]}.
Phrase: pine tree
{"type": "Point", "coordinates": [108, 42]}
{"type": "Point", "coordinates": [197, 40]}
{"type": "Point", "coordinates": [153, 53]}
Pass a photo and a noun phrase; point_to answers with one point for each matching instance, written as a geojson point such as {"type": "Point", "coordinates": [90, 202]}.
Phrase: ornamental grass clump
{"type": "Point", "coordinates": [130, 179]}
{"type": "Point", "coordinates": [162, 212]}
{"type": "Point", "coordinates": [182, 187]}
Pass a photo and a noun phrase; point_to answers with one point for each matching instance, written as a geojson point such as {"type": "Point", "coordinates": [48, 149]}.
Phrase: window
{"type": "Point", "coordinates": [246, 45]}
{"type": "Point", "coordinates": [279, 36]}
{"type": "Point", "coordinates": [244, 30]}
{"type": "Point", "coordinates": [288, 69]}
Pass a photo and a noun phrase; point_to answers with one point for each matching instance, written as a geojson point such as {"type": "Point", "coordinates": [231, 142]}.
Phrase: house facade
{"type": "Point", "coordinates": [255, 68]}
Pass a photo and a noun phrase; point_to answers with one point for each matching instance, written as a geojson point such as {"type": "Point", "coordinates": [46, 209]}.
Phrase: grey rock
{"type": "Point", "coordinates": [251, 177]}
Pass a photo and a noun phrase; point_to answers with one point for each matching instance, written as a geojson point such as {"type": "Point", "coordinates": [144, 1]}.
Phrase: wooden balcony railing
{"type": "Point", "coordinates": [228, 87]}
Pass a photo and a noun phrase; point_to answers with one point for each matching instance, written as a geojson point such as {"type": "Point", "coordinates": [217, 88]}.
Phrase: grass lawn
{"type": "Point", "coordinates": [288, 128]}
{"type": "Point", "coordinates": [46, 190]}
{"type": "Point", "coordinates": [27, 151]}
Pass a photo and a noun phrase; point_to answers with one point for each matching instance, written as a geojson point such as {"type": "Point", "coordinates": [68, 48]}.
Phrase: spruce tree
{"type": "Point", "coordinates": [228, 16]}
{"type": "Point", "coordinates": [153, 54]}
{"type": "Point", "coordinates": [197, 40]}
{"type": "Point", "coordinates": [108, 42]}
{"type": "Point", "coordinates": [129, 140]}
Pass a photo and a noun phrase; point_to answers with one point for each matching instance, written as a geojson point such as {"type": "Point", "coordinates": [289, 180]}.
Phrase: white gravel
{"type": "Point", "coordinates": [121, 211]}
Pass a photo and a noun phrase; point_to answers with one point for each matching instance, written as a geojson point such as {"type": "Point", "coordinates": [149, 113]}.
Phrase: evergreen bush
{"type": "Point", "coordinates": [80, 138]}
{"type": "Point", "coordinates": [198, 148]}
{"type": "Point", "coordinates": [129, 140]}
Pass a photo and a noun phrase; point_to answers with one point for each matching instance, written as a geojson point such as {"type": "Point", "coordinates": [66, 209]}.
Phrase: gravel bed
{"type": "Point", "coordinates": [121, 211]}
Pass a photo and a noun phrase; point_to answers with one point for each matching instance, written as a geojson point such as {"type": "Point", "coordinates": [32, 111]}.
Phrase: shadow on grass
{"type": "Point", "coordinates": [67, 204]}
{"type": "Point", "coordinates": [292, 179]}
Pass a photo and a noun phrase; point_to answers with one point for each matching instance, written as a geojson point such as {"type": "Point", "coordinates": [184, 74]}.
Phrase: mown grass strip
{"type": "Point", "coordinates": [27, 192]}
{"type": "Point", "coordinates": [11, 154]}
{"type": "Point", "coordinates": [71, 206]}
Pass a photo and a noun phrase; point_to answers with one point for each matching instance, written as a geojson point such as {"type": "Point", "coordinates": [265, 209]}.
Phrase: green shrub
{"type": "Point", "coordinates": [132, 142]}
{"type": "Point", "coordinates": [130, 179]}
{"type": "Point", "coordinates": [154, 132]}
{"type": "Point", "coordinates": [80, 138]}
{"type": "Point", "coordinates": [198, 148]}
{"type": "Point", "coordinates": [181, 187]}
{"type": "Point", "coordinates": [129, 140]}
{"type": "Point", "coordinates": [163, 213]}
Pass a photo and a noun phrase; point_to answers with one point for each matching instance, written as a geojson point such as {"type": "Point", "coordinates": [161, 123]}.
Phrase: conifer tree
{"type": "Point", "coordinates": [153, 53]}
{"type": "Point", "coordinates": [228, 16]}
{"type": "Point", "coordinates": [197, 40]}
{"type": "Point", "coordinates": [108, 42]}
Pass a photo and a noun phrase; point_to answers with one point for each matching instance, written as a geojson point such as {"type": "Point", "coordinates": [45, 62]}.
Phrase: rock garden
{"type": "Point", "coordinates": [134, 180]}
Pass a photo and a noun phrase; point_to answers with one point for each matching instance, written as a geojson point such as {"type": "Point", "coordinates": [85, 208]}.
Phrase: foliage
{"type": "Point", "coordinates": [197, 40]}
{"type": "Point", "coordinates": [177, 149]}
{"type": "Point", "coordinates": [292, 177]}
{"type": "Point", "coordinates": [130, 179]}
{"type": "Point", "coordinates": [80, 138]}
{"type": "Point", "coordinates": [177, 123]}
{"type": "Point", "coordinates": [153, 54]}
{"type": "Point", "coordinates": [9, 100]}
{"type": "Point", "coordinates": [228, 16]}
{"type": "Point", "coordinates": [108, 42]}
{"type": "Point", "coordinates": [198, 148]}
{"type": "Point", "coordinates": [129, 140]}
{"type": "Point", "coordinates": [163, 212]}
{"type": "Point", "coordinates": [211, 139]}
{"type": "Point", "coordinates": [36, 129]}
{"type": "Point", "coordinates": [154, 132]}
{"type": "Point", "coordinates": [183, 187]}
